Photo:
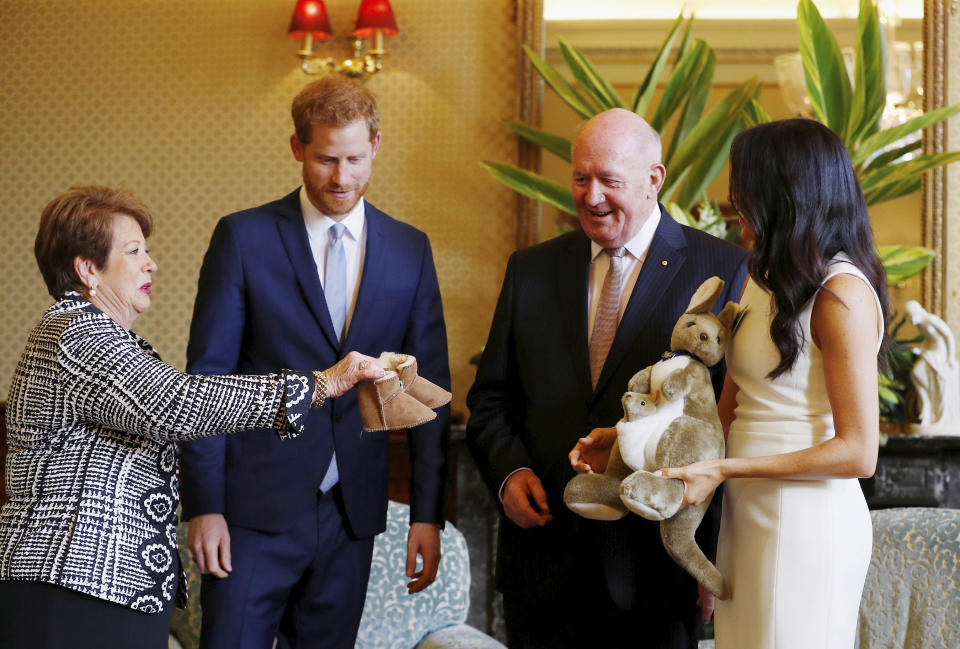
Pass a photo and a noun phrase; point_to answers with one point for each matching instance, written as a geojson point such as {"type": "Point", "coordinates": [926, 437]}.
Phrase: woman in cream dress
{"type": "Point", "coordinates": [800, 398]}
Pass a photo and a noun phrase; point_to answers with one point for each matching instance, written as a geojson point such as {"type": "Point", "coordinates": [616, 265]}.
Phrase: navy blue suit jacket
{"type": "Point", "coordinates": [260, 307]}
{"type": "Point", "coordinates": [532, 399]}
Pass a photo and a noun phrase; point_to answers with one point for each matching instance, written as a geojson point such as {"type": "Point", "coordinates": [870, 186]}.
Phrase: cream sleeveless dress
{"type": "Point", "coordinates": [794, 551]}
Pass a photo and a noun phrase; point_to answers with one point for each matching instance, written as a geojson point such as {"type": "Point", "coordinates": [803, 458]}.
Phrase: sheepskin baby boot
{"type": "Point", "coordinates": [426, 392]}
{"type": "Point", "coordinates": [384, 405]}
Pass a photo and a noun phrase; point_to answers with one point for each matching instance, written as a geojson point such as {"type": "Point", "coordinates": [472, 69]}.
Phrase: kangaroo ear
{"type": "Point", "coordinates": [704, 297]}
{"type": "Point", "coordinates": [728, 316]}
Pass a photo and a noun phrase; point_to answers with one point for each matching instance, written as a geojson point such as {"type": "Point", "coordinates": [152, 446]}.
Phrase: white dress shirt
{"type": "Point", "coordinates": [354, 245]}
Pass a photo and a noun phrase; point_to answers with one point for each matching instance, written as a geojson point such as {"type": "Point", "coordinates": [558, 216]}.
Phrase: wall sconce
{"type": "Point", "coordinates": [374, 21]}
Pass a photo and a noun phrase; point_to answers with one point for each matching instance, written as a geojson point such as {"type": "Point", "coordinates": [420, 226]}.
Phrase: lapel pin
{"type": "Point", "coordinates": [663, 263]}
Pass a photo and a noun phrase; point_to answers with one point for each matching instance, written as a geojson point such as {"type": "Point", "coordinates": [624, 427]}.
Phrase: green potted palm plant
{"type": "Point", "coordinates": [698, 142]}
{"type": "Point", "coordinates": [886, 165]}
{"type": "Point", "coordinates": [885, 168]}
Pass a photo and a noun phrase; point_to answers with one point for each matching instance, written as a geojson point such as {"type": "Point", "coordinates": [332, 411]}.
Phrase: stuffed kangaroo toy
{"type": "Point", "coordinates": [670, 420]}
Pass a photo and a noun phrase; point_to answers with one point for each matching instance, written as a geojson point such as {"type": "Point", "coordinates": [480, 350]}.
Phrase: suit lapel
{"type": "Point", "coordinates": [573, 276]}
{"type": "Point", "coordinates": [293, 233]}
{"type": "Point", "coordinates": [374, 267]}
{"type": "Point", "coordinates": [663, 261]}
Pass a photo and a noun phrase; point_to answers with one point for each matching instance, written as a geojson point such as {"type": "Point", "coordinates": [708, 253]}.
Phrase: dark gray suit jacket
{"type": "Point", "coordinates": [532, 399]}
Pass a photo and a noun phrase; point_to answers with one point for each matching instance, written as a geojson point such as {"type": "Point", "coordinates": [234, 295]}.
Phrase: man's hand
{"type": "Point", "coordinates": [592, 452]}
{"type": "Point", "coordinates": [422, 539]}
{"type": "Point", "coordinates": [209, 543]}
{"type": "Point", "coordinates": [521, 488]}
{"type": "Point", "coordinates": [706, 602]}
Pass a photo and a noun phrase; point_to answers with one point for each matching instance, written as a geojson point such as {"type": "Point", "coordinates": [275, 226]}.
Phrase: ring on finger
{"type": "Point", "coordinates": [362, 365]}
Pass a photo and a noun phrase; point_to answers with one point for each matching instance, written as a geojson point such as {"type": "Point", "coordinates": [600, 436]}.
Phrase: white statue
{"type": "Point", "coordinates": [935, 375]}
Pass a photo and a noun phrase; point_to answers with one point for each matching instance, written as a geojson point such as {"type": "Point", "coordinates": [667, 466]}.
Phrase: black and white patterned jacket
{"type": "Point", "coordinates": [93, 419]}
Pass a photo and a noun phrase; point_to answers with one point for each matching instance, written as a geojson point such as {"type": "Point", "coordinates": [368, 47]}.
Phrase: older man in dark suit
{"type": "Point", "coordinates": [577, 316]}
{"type": "Point", "coordinates": [284, 532]}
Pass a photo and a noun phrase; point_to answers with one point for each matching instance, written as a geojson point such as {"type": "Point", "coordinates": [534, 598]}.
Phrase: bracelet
{"type": "Point", "coordinates": [320, 392]}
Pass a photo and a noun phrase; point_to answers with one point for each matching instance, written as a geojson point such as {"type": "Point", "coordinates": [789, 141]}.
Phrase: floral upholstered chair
{"type": "Point", "coordinates": [911, 599]}
{"type": "Point", "coordinates": [431, 619]}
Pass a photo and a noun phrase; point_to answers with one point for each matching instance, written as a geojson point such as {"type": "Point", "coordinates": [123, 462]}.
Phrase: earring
{"type": "Point", "coordinates": [93, 292]}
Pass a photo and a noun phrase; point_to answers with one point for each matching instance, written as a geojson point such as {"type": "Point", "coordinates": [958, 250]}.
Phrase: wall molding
{"type": "Point", "coordinates": [941, 188]}
{"type": "Point", "coordinates": [532, 33]}
{"type": "Point", "coordinates": [621, 47]}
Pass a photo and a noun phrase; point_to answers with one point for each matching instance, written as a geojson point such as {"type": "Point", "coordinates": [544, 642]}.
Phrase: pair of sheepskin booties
{"type": "Point", "coordinates": [400, 398]}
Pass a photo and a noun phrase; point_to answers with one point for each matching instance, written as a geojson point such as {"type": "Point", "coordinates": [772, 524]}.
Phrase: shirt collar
{"type": "Point", "coordinates": [317, 222]}
{"type": "Point", "coordinates": [640, 243]}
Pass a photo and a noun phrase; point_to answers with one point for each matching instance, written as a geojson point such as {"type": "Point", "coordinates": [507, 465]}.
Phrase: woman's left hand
{"type": "Point", "coordinates": [349, 370]}
{"type": "Point", "coordinates": [700, 479]}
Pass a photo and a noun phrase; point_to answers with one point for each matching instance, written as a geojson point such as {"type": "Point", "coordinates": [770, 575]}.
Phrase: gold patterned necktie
{"type": "Point", "coordinates": [608, 313]}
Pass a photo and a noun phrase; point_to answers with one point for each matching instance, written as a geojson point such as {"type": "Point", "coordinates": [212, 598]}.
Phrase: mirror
{"type": "Point", "coordinates": [623, 49]}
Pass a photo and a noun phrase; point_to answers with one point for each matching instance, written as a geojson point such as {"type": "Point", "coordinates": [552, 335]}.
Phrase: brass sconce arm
{"type": "Point", "coordinates": [374, 21]}
{"type": "Point", "coordinates": [362, 65]}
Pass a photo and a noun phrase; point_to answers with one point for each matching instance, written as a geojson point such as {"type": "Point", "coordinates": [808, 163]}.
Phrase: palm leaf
{"type": "Point", "coordinates": [705, 169]}
{"type": "Point", "coordinates": [642, 99]}
{"type": "Point", "coordinates": [828, 85]}
{"type": "Point", "coordinates": [555, 144]}
{"type": "Point", "coordinates": [886, 394]}
{"type": "Point", "coordinates": [680, 83]}
{"type": "Point", "coordinates": [561, 86]}
{"type": "Point", "coordinates": [887, 157]}
{"type": "Point", "coordinates": [678, 214]}
{"type": "Point", "coordinates": [755, 114]}
{"type": "Point", "coordinates": [903, 262]}
{"type": "Point", "coordinates": [685, 43]}
{"type": "Point", "coordinates": [693, 107]}
{"type": "Point", "coordinates": [897, 172]}
{"type": "Point", "coordinates": [532, 185]}
{"type": "Point", "coordinates": [889, 136]}
{"type": "Point", "coordinates": [870, 88]}
{"type": "Point", "coordinates": [707, 137]}
{"type": "Point", "coordinates": [896, 189]}
{"type": "Point", "coordinates": [592, 83]}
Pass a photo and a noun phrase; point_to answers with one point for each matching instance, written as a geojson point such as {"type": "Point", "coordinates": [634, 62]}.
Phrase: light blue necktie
{"type": "Point", "coordinates": [335, 290]}
{"type": "Point", "coordinates": [335, 279]}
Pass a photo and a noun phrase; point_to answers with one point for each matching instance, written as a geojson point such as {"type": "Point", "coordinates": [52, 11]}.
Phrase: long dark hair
{"type": "Point", "coordinates": [792, 181]}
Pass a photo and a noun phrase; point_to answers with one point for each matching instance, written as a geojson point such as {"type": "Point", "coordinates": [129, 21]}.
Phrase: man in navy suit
{"type": "Point", "coordinates": [283, 531]}
{"type": "Point", "coordinates": [568, 581]}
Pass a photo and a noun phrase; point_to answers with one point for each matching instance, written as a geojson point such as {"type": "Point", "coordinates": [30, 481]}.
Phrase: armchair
{"type": "Point", "coordinates": [911, 599]}
{"type": "Point", "coordinates": [392, 619]}
{"type": "Point", "coordinates": [431, 619]}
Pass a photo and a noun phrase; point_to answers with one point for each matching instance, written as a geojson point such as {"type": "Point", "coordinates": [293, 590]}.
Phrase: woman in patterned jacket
{"type": "Point", "coordinates": [88, 547]}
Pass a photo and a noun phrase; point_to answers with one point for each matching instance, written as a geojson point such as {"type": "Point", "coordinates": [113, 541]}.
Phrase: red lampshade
{"type": "Point", "coordinates": [310, 16]}
{"type": "Point", "coordinates": [375, 14]}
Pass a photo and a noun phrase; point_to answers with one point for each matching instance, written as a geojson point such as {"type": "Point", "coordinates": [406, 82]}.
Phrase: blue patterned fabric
{"type": "Point", "coordinates": [392, 619]}
{"type": "Point", "coordinates": [911, 599]}
{"type": "Point", "coordinates": [459, 636]}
